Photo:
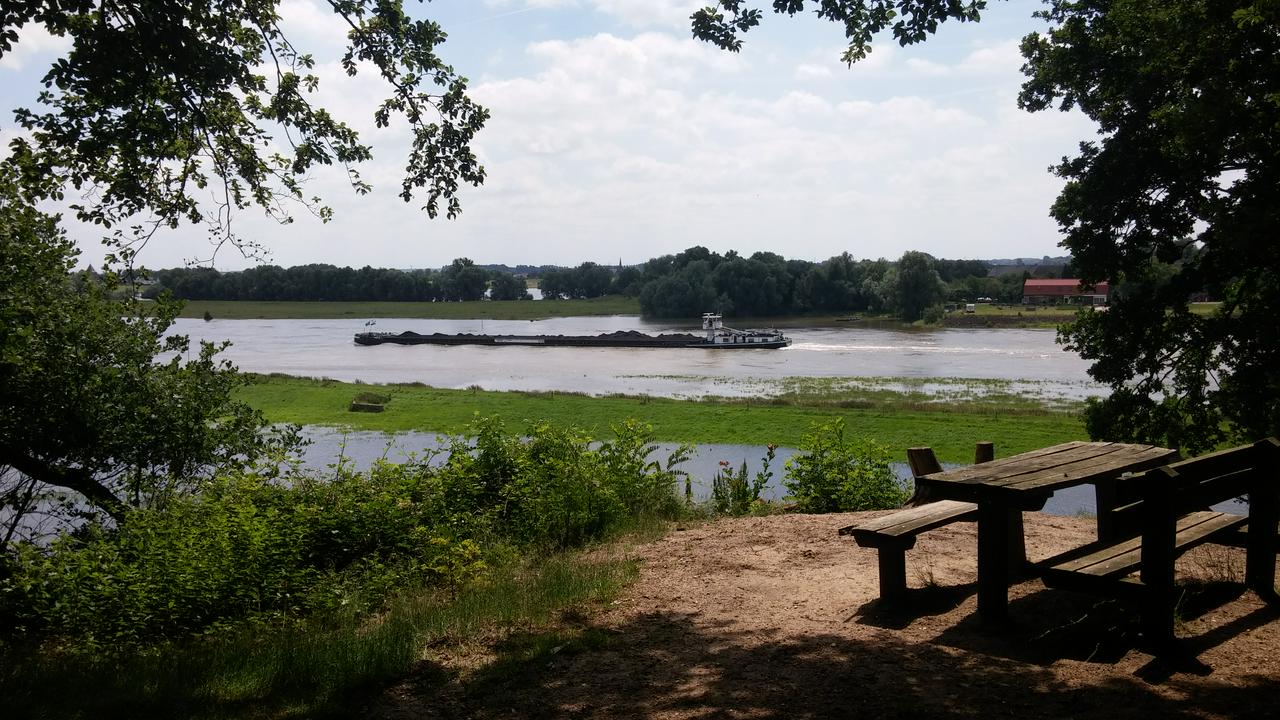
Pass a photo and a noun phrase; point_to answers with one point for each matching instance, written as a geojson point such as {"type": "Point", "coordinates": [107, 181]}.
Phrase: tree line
{"type": "Point", "coordinates": [460, 280]}
{"type": "Point", "coordinates": [685, 284]}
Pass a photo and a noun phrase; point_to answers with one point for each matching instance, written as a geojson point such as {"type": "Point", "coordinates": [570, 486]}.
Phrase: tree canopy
{"type": "Point", "coordinates": [911, 21]}
{"type": "Point", "coordinates": [1179, 195]}
{"type": "Point", "coordinates": [159, 105]}
{"type": "Point", "coordinates": [913, 285]}
{"type": "Point", "coordinates": [94, 397]}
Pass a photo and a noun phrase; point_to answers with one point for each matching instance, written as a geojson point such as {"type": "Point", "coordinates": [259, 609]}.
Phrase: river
{"type": "Point", "coordinates": [1030, 360]}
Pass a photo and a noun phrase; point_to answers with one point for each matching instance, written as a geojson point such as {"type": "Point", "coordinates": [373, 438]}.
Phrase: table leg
{"type": "Point", "coordinates": [1017, 544]}
{"type": "Point", "coordinates": [1105, 495]}
{"type": "Point", "coordinates": [993, 561]}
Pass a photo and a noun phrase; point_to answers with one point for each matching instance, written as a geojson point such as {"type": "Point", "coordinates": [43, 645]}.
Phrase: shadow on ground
{"type": "Point", "coordinates": [672, 665]}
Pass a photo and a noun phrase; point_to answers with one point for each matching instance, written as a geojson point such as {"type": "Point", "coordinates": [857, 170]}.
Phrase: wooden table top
{"type": "Point", "coordinates": [1047, 469]}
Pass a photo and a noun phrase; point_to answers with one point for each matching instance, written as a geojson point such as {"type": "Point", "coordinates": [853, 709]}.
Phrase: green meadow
{"type": "Point", "coordinates": [896, 418]}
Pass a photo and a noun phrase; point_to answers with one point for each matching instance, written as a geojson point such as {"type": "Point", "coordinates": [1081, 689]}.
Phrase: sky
{"type": "Point", "coordinates": [616, 137]}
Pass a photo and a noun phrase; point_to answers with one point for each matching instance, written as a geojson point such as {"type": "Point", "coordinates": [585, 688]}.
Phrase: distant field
{"type": "Point", "coordinates": [1018, 315]}
{"type": "Point", "coordinates": [897, 421]}
{"type": "Point", "coordinates": [487, 309]}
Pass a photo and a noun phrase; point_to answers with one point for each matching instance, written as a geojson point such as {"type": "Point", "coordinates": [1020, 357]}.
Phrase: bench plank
{"type": "Point", "coordinates": [913, 521]}
{"type": "Point", "coordinates": [1120, 559]}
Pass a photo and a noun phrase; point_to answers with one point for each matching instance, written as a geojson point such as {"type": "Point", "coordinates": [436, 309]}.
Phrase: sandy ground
{"type": "Point", "coordinates": [777, 617]}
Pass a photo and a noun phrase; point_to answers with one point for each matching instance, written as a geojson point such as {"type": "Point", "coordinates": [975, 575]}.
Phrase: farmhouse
{"type": "Point", "coordinates": [1065, 291]}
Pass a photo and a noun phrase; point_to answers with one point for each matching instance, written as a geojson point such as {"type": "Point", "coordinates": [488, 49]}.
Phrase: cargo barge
{"type": "Point", "coordinates": [716, 336]}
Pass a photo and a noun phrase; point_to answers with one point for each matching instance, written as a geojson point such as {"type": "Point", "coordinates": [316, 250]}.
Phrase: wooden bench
{"type": "Point", "coordinates": [1172, 518]}
{"type": "Point", "coordinates": [893, 535]}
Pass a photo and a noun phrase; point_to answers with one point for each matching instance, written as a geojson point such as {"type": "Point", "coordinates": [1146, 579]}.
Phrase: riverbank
{"type": "Point", "coordinates": [759, 617]}
{"type": "Point", "coordinates": [484, 309]}
{"type": "Point", "coordinates": [896, 419]}
{"type": "Point", "coordinates": [777, 617]}
{"type": "Point", "coordinates": [985, 315]}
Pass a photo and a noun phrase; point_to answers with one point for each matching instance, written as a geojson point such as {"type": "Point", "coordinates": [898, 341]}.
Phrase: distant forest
{"type": "Point", "coordinates": [670, 286]}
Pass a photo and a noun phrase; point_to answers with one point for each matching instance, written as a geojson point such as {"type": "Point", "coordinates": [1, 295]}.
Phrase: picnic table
{"type": "Point", "coordinates": [1003, 489]}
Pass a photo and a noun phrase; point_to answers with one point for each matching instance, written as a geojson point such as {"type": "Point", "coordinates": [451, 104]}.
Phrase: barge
{"type": "Point", "coordinates": [716, 336]}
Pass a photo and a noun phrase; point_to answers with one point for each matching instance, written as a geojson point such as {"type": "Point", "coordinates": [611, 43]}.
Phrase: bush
{"type": "Point", "coordinates": [646, 487]}
{"type": "Point", "coordinates": [830, 474]}
{"type": "Point", "coordinates": [934, 314]}
{"type": "Point", "coordinates": [270, 548]}
{"type": "Point", "coordinates": [242, 548]}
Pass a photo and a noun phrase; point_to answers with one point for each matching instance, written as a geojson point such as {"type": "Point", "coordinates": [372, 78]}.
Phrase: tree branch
{"type": "Point", "coordinates": [75, 479]}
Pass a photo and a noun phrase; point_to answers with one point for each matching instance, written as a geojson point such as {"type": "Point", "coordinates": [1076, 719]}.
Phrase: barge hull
{"type": "Point", "coordinates": [628, 339]}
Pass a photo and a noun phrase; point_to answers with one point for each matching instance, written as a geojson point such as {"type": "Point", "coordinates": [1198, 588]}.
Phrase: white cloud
{"type": "Point", "coordinates": [997, 59]}
{"type": "Point", "coordinates": [810, 71]}
{"type": "Point", "coordinates": [603, 145]}
{"type": "Point", "coordinates": [34, 43]}
{"type": "Point", "coordinates": [666, 14]}
{"type": "Point", "coordinates": [1000, 58]}
{"type": "Point", "coordinates": [530, 4]}
{"type": "Point", "coordinates": [649, 13]}
{"type": "Point", "coordinates": [927, 67]}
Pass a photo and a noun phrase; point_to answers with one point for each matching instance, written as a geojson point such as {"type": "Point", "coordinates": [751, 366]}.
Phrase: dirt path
{"type": "Point", "coordinates": [776, 617]}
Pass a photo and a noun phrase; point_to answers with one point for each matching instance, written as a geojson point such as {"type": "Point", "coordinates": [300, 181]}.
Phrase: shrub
{"type": "Point", "coordinates": [273, 548]}
{"type": "Point", "coordinates": [242, 548]}
{"type": "Point", "coordinates": [830, 474]}
{"type": "Point", "coordinates": [646, 487]}
{"type": "Point", "coordinates": [934, 314]}
{"type": "Point", "coordinates": [734, 493]}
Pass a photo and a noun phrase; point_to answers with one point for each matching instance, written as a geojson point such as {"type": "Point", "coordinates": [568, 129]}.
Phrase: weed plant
{"type": "Point", "coordinates": [734, 493]}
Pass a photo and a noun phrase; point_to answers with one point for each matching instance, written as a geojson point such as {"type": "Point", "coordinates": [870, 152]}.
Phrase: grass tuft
{"type": "Point", "coordinates": [316, 668]}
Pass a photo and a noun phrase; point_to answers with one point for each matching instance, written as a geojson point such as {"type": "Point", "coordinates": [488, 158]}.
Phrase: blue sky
{"type": "Point", "coordinates": [615, 136]}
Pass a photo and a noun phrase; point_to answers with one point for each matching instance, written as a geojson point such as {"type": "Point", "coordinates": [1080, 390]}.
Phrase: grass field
{"type": "Point", "coordinates": [488, 309]}
{"type": "Point", "coordinates": [899, 420]}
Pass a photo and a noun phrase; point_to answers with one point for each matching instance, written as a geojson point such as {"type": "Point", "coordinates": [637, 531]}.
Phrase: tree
{"type": "Point", "coordinates": [910, 20]}
{"type": "Point", "coordinates": [505, 286]}
{"type": "Point", "coordinates": [556, 284]}
{"type": "Point", "coordinates": [686, 293]}
{"type": "Point", "coordinates": [1179, 195]}
{"type": "Point", "coordinates": [591, 280]}
{"type": "Point", "coordinates": [462, 280]}
{"type": "Point", "coordinates": [157, 105]}
{"type": "Point", "coordinates": [94, 398]}
{"type": "Point", "coordinates": [913, 285]}
{"type": "Point", "coordinates": [627, 281]}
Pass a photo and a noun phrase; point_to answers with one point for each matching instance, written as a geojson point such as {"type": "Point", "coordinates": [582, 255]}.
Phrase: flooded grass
{"type": "Point", "coordinates": [898, 419]}
{"type": "Point", "coordinates": [939, 394]}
